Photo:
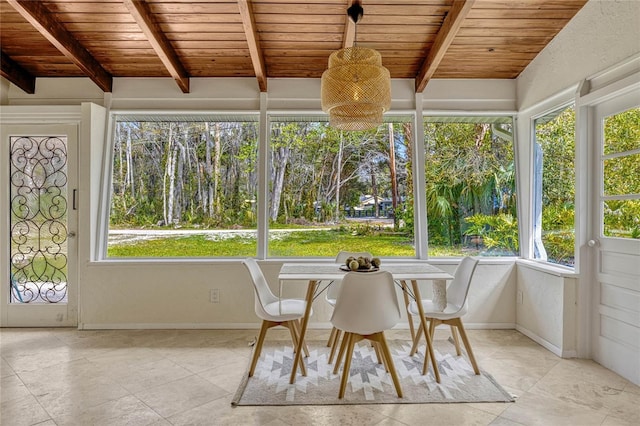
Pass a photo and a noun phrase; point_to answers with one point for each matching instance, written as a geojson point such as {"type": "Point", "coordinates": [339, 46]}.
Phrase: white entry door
{"type": "Point", "coordinates": [39, 217]}
{"type": "Point", "coordinates": [615, 233]}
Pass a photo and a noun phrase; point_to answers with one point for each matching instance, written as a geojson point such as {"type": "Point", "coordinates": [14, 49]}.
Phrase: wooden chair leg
{"type": "Point", "coordinates": [377, 351]}
{"type": "Point", "coordinates": [416, 341]}
{"type": "Point", "coordinates": [379, 355]}
{"type": "Point", "coordinates": [389, 362]}
{"type": "Point", "coordinates": [295, 338]}
{"type": "Point", "coordinates": [430, 355]}
{"type": "Point", "coordinates": [298, 327]}
{"type": "Point", "coordinates": [334, 347]}
{"type": "Point", "coordinates": [456, 341]}
{"type": "Point", "coordinates": [467, 345]}
{"type": "Point", "coordinates": [258, 347]}
{"type": "Point", "coordinates": [332, 337]}
{"type": "Point", "coordinates": [406, 305]}
{"type": "Point", "coordinates": [343, 347]}
{"type": "Point", "coordinates": [293, 333]}
{"type": "Point", "coordinates": [347, 364]}
{"type": "Point", "coordinates": [432, 329]}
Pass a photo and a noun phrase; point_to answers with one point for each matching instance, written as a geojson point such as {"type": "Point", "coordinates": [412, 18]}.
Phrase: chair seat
{"type": "Point", "coordinates": [286, 310]}
{"type": "Point", "coordinates": [430, 311]}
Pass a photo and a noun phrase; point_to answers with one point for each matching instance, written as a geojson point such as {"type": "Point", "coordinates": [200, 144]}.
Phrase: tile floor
{"type": "Point", "coordinates": [188, 377]}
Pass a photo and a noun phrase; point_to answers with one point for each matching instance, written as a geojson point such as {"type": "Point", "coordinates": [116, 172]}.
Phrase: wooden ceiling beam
{"type": "Point", "coordinates": [253, 40]}
{"type": "Point", "coordinates": [17, 75]}
{"type": "Point", "coordinates": [37, 15]}
{"type": "Point", "coordinates": [159, 42]}
{"type": "Point", "coordinates": [450, 27]}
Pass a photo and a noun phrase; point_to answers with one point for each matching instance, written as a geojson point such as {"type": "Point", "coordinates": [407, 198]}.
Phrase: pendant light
{"type": "Point", "coordinates": [356, 88]}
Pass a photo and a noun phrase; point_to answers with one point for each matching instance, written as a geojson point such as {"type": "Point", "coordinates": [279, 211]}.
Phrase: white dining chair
{"type": "Point", "coordinates": [332, 293]}
{"type": "Point", "coordinates": [366, 306]}
{"type": "Point", "coordinates": [457, 306]}
{"type": "Point", "coordinates": [273, 311]}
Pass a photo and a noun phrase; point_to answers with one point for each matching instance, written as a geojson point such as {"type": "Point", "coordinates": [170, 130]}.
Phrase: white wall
{"type": "Point", "coordinates": [176, 295]}
{"type": "Point", "coordinates": [546, 307]}
{"type": "Point", "coordinates": [602, 34]}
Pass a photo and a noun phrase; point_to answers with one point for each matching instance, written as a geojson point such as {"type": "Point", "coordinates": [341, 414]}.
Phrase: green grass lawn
{"type": "Point", "coordinates": [322, 243]}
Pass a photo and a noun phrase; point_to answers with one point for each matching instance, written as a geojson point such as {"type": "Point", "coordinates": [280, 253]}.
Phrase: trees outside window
{"type": "Point", "coordinates": [177, 185]}
{"type": "Point", "coordinates": [331, 190]}
{"type": "Point", "coordinates": [554, 187]}
{"type": "Point", "coordinates": [470, 186]}
{"type": "Point", "coordinates": [189, 187]}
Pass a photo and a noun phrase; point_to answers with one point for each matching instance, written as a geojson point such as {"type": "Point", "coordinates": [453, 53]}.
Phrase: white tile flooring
{"type": "Point", "coordinates": [188, 377]}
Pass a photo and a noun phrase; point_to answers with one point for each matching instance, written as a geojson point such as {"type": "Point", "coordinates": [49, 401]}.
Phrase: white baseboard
{"type": "Point", "coordinates": [169, 326]}
{"type": "Point", "coordinates": [252, 326]}
{"type": "Point", "coordinates": [490, 326]}
{"type": "Point", "coordinates": [546, 344]}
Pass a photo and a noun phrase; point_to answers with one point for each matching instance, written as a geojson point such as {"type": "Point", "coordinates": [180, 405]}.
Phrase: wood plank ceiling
{"type": "Point", "coordinates": [418, 39]}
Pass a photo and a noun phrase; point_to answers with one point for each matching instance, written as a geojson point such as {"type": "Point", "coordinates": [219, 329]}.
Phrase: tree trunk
{"type": "Point", "coordinates": [171, 171]}
{"type": "Point", "coordinates": [408, 140]}
{"type": "Point", "coordinates": [278, 183]}
{"type": "Point", "coordinates": [374, 191]}
{"type": "Point", "coordinates": [121, 189]}
{"type": "Point", "coordinates": [165, 176]}
{"type": "Point", "coordinates": [209, 171]}
{"type": "Point", "coordinates": [338, 173]}
{"type": "Point", "coordinates": [180, 201]}
{"type": "Point", "coordinates": [392, 170]}
{"type": "Point", "coordinates": [130, 178]}
{"type": "Point", "coordinates": [217, 155]}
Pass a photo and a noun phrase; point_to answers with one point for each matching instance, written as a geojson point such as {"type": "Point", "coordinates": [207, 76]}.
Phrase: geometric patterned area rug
{"type": "Point", "coordinates": [368, 381]}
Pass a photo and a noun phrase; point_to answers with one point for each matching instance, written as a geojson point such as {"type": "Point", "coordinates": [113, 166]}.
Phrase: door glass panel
{"type": "Point", "coordinates": [38, 220]}
{"type": "Point", "coordinates": [621, 218]}
{"type": "Point", "coordinates": [622, 131]}
{"type": "Point", "coordinates": [621, 175]}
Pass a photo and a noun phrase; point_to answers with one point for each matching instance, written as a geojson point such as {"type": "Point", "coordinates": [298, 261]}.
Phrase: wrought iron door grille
{"type": "Point", "coordinates": [38, 220]}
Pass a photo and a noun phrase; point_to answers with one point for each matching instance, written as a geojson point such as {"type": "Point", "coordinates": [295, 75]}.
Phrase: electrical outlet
{"type": "Point", "coordinates": [214, 296]}
{"type": "Point", "coordinates": [519, 297]}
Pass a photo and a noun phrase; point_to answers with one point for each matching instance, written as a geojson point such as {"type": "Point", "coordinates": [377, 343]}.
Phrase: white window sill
{"type": "Point", "coordinates": [556, 270]}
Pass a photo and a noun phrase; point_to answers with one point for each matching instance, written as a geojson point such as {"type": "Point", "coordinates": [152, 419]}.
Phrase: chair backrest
{"type": "Point", "coordinates": [367, 303]}
{"type": "Point", "coordinates": [263, 294]}
{"type": "Point", "coordinates": [334, 288]}
{"type": "Point", "coordinates": [459, 288]}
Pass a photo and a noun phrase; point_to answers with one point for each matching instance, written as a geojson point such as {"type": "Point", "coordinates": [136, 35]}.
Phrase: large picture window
{"type": "Point", "coordinates": [183, 187]}
{"type": "Point", "coordinates": [332, 190]}
{"type": "Point", "coordinates": [470, 186]}
{"type": "Point", "coordinates": [554, 187]}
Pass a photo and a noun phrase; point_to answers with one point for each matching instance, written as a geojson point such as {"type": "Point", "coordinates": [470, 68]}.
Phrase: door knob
{"type": "Point", "coordinates": [593, 243]}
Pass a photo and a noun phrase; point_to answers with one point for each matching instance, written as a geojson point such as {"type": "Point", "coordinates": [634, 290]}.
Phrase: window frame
{"type": "Point", "coordinates": [519, 202]}
{"type": "Point", "coordinates": [557, 109]}
{"type": "Point", "coordinates": [263, 117]}
{"type": "Point", "coordinates": [104, 209]}
{"type": "Point", "coordinates": [397, 116]}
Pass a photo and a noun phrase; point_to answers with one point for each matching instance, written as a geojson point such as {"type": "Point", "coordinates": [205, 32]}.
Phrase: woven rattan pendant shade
{"type": "Point", "coordinates": [356, 89]}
